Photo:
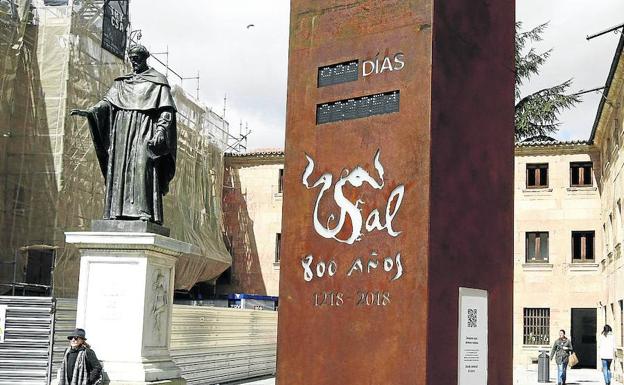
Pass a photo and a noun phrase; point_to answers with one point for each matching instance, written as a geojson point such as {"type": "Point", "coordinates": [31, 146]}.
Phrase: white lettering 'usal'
{"type": "Point", "coordinates": [352, 210]}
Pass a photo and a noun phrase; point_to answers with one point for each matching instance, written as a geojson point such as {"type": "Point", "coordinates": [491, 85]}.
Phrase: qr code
{"type": "Point", "coordinates": [472, 318]}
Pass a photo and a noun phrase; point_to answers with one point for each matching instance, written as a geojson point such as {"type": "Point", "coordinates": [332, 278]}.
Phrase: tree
{"type": "Point", "coordinates": [538, 112]}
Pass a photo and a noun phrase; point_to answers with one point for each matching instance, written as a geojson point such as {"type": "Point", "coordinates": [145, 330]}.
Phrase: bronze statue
{"type": "Point", "coordinates": [134, 133]}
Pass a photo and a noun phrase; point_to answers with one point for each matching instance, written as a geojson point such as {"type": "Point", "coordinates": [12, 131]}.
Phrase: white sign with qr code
{"type": "Point", "coordinates": [473, 337]}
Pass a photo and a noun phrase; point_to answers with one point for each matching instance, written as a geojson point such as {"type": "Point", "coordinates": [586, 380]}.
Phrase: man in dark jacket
{"type": "Point", "coordinates": [80, 364]}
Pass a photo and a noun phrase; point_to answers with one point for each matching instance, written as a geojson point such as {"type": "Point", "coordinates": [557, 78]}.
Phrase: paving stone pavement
{"type": "Point", "coordinates": [522, 376]}
{"type": "Point", "coordinates": [254, 381]}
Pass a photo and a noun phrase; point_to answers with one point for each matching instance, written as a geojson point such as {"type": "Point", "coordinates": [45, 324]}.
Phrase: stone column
{"type": "Point", "coordinates": [125, 302]}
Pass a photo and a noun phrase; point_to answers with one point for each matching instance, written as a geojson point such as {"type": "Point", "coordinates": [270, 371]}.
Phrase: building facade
{"type": "Point", "coordinates": [608, 135]}
{"type": "Point", "coordinates": [569, 230]}
{"type": "Point", "coordinates": [557, 247]}
{"type": "Point", "coordinates": [252, 213]}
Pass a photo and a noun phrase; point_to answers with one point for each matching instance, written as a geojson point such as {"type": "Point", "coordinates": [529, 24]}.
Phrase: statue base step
{"type": "Point", "coordinates": [128, 226]}
{"type": "Point", "coordinates": [177, 381]}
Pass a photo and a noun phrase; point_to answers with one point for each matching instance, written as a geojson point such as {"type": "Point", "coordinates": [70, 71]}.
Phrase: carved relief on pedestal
{"type": "Point", "coordinates": [158, 307]}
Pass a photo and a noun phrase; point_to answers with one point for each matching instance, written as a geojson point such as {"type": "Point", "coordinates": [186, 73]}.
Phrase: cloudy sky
{"type": "Point", "coordinates": [249, 64]}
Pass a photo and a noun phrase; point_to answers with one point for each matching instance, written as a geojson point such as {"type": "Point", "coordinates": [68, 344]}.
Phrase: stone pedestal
{"type": "Point", "coordinates": [125, 301]}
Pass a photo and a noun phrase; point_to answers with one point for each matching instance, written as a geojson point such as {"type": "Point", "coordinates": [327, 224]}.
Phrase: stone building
{"type": "Point", "coordinates": [252, 216]}
{"type": "Point", "coordinates": [608, 136]}
{"type": "Point", "coordinates": [569, 232]}
{"type": "Point", "coordinates": [557, 248]}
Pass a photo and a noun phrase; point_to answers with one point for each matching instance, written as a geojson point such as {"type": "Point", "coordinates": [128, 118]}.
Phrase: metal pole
{"type": "Point", "coordinates": [582, 92]}
{"type": "Point", "coordinates": [50, 292]}
{"type": "Point", "coordinates": [612, 29]}
{"type": "Point", "coordinates": [51, 344]}
{"type": "Point", "coordinates": [14, 273]}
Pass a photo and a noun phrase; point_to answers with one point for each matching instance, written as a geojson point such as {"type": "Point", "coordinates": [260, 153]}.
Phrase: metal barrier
{"type": "Point", "coordinates": [212, 345]}
{"type": "Point", "coordinates": [64, 324]}
{"type": "Point", "coordinates": [25, 354]}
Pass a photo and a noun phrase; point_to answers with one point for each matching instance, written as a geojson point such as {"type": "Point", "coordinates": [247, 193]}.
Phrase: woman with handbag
{"type": "Point", "coordinates": [606, 347]}
{"type": "Point", "coordinates": [561, 352]}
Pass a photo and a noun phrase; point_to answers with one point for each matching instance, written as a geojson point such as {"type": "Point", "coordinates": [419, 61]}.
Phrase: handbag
{"type": "Point", "coordinates": [573, 359]}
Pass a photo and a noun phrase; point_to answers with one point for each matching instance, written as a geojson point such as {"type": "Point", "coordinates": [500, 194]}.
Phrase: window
{"type": "Point", "coordinates": [580, 174]}
{"type": "Point", "coordinates": [278, 246]}
{"type": "Point", "coordinates": [537, 247]}
{"type": "Point", "coordinates": [582, 246]}
{"type": "Point", "coordinates": [621, 302]}
{"type": "Point", "coordinates": [611, 229]}
{"type": "Point", "coordinates": [536, 327]}
{"type": "Point", "coordinates": [39, 266]}
{"type": "Point", "coordinates": [280, 181]}
{"type": "Point", "coordinates": [537, 175]}
{"type": "Point", "coordinates": [618, 220]}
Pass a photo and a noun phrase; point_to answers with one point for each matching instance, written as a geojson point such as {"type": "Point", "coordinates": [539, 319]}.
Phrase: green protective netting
{"type": "Point", "coordinates": [50, 181]}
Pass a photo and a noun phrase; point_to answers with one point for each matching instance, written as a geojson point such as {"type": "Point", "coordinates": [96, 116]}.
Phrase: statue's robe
{"type": "Point", "coordinates": [136, 107]}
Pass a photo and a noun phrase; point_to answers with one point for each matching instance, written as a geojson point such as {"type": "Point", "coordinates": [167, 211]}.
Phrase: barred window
{"type": "Point", "coordinates": [536, 330]}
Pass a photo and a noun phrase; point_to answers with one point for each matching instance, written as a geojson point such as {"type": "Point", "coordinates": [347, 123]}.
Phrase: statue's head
{"type": "Point", "coordinates": [138, 55]}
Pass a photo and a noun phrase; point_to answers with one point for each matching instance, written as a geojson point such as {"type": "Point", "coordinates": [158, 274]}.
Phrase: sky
{"type": "Point", "coordinates": [586, 62]}
{"type": "Point", "coordinates": [248, 64]}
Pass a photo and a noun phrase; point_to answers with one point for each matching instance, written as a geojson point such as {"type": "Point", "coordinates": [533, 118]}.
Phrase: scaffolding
{"type": "Point", "coordinates": [213, 124]}
{"type": "Point", "coordinates": [50, 180]}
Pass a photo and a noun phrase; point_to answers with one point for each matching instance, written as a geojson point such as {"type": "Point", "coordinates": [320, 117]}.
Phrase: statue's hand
{"type": "Point", "coordinates": [158, 144]}
{"type": "Point", "coordinates": [78, 112]}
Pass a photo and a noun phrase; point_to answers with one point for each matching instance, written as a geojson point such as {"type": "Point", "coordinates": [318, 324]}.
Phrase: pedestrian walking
{"type": "Point", "coordinates": [606, 349]}
{"type": "Point", "coordinates": [80, 364]}
{"type": "Point", "coordinates": [561, 352]}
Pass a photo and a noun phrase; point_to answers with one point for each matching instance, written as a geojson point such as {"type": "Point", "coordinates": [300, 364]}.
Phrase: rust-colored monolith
{"type": "Point", "coordinates": [397, 256]}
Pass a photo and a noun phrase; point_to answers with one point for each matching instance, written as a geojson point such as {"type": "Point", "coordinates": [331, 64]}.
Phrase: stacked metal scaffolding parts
{"type": "Point", "coordinates": [50, 181]}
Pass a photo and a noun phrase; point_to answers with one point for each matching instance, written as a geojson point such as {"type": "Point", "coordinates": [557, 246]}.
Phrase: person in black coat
{"type": "Point", "coordinates": [80, 364]}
